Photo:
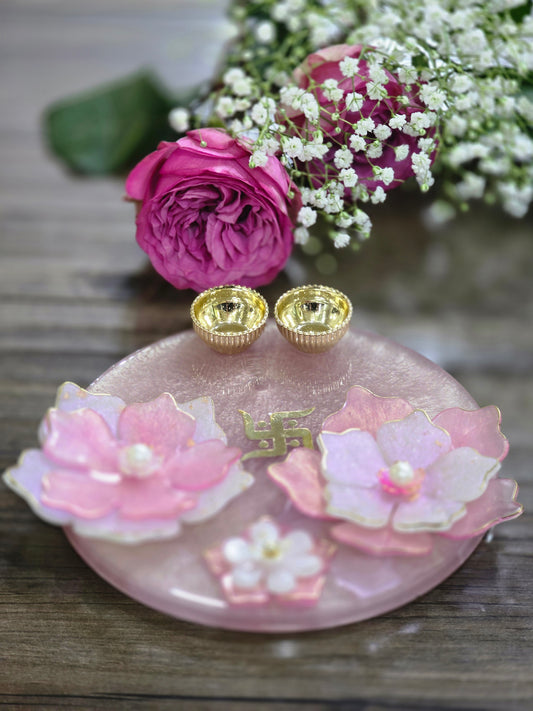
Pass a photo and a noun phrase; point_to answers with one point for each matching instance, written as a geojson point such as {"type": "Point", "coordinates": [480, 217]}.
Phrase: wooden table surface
{"type": "Point", "coordinates": [77, 295]}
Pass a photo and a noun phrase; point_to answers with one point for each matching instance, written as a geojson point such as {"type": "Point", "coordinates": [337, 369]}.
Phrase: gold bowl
{"type": "Point", "coordinates": [229, 318]}
{"type": "Point", "coordinates": [313, 318]}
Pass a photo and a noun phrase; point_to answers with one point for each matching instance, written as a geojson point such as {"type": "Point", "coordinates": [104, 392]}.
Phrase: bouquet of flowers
{"type": "Point", "coordinates": [321, 108]}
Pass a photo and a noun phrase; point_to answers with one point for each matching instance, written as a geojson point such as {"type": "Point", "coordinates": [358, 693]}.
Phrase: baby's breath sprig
{"type": "Point", "coordinates": [421, 87]}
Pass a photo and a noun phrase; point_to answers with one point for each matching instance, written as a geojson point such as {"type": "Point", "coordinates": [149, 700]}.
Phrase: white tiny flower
{"type": "Point", "coordinates": [376, 91]}
{"type": "Point", "coordinates": [378, 195]}
{"type": "Point", "coordinates": [374, 149]}
{"type": "Point", "coordinates": [280, 12]}
{"type": "Point", "coordinates": [307, 216]}
{"type": "Point", "coordinates": [265, 32]}
{"type": "Point", "coordinates": [466, 101]}
{"type": "Point", "coordinates": [407, 75]}
{"type": "Point", "coordinates": [456, 125]}
{"type": "Point", "coordinates": [378, 74]}
{"type": "Point", "coordinates": [331, 90]}
{"type": "Point", "coordinates": [349, 67]}
{"type": "Point", "coordinates": [386, 175]}
{"type": "Point", "coordinates": [258, 158]}
{"type": "Point", "coordinates": [427, 145]}
{"type": "Point", "coordinates": [401, 152]}
{"type": "Point", "coordinates": [432, 96]}
{"type": "Point", "coordinates": [397, 121]}
{"type": "Point", "coordinates": [179, 119]}
{"type": "Point", "coordinates": [364, 125]}
{"type": "Point", "coordinates": [232, 75]}
{"type": "Point", "coordinates": [310, 107]}
{"type": "Point", "coordinates": [243, 87]}
{"type": "Point", "coordinates": [354, 101]}
{"type": "Point", "coordinates": [292, 147]}
{"type": "Point", "coordinates": [225, 107]}
{"type": "Point", "coordinates": [357, 143]}
{"type": "Point", "coordinates": [344, 220]}
{"type": "Point", "coordinates": [420, 121]}
{"type": "Point", "coordinates": [461, 83]}
{"type": "Point", "coordinates": [471, 186]}
{"type": "Point", "coordinates": [341, 239]}
{"type": "Point", "coordinates": [301, 235]}
{"type": "Point", "coordinates": [343, 158]}
{"type": "Point", "coordinates": [348, 176]}
{"type": "Point", "coordinates": [242, 104]}
{"type": "Point", "coordinates": [334, 204]}
{"type": "Point", "coordinates": [270, 145]}
{"type": "Point", "coordinates": [382, 132]}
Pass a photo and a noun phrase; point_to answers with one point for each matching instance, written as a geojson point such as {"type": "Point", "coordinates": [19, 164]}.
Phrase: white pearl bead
{"type": "Point", "coordinates": [401, 473]}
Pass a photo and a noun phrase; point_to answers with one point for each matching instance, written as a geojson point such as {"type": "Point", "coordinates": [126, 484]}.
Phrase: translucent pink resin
{"type": "Point", "coordinates": [270, 377]}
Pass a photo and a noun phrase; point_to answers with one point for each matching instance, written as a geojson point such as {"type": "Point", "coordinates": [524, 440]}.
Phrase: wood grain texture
{"type": "Point", "coordinates": [76, 295]}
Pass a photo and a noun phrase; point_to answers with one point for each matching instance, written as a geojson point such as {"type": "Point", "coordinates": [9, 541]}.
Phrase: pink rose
{"type": "Point", "coordinates": [206, 218]}
{"type": "Point", "coordinates": [399, 101]}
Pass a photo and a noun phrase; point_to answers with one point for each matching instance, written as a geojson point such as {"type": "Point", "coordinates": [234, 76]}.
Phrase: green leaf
{"type": "Point", "coordinates": [109, 129]}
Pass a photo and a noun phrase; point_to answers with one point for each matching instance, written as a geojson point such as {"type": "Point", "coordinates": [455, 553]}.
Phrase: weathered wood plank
{"type": "Point", "coordinates": [76, 296]}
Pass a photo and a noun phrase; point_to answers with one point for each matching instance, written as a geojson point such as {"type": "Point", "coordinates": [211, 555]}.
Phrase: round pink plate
{"type": "Point", "coordinates": [273, 377]}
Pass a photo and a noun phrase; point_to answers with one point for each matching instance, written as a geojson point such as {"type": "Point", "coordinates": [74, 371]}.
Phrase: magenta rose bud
{"type": "Point", "coordinates": [207, 218]}
{"type": "Point", "coordinates": [337, 118]}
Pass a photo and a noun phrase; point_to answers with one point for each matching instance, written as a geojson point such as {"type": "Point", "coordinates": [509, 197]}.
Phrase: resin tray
{"type": "Point", "coordinates": [273, 377]}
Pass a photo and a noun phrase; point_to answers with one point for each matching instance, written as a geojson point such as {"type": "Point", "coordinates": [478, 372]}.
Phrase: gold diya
{"type": "Point", "coordinates": [313, 318]}
{"type": "Point", "coordinates": [229, 318]}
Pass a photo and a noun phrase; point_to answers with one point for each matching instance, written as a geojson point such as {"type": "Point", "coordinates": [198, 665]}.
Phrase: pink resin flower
{"type": "Point", "coordinates": [266, 564]}
{"type": "Point", "coordinates": [390, 478]}
{"type": "Point", "coordinates": [207, 218]}
{"type": "Point", "coordinates": [128, 473]}
{"type": "Point", "coordinates": [338, 117]}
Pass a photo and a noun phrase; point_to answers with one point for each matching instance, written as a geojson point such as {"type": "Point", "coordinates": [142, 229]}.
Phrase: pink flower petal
{"type": "Point", "coordinates": [142, 499]}
{"type": "Point", "coordinates": [80, 439]}
{"type": "Point", "coordinates": [479, 429]}
{"type": "Point", "coordinates": [460, 475]}
{"type": "Point", "coordinates": [159, 423]}
{"type": "Point", "coordinates": [383, 541]}
{"type": "Point", "coordinates": [425, 514]}
{"type": "Point", "coordinates": [80, 494]}
{"type": "Point", "coordinates": [497, 504]}
{"type": "Point", "coordinates": [365, 411]}
{"type": "Point", "coordinates": [368, 507]}
{"type": "Point", "coordinates": [300, 476]}
{"type": "Point", "coordinates": [352, 458]}
{"type": "Point", "coordinates": [201, 466]}
{"type": "Point", "coordinates": [414, 439]}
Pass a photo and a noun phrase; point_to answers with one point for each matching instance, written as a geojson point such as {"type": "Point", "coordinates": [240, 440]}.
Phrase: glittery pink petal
{"type": "Point", "coordinates": [201, 466]}
{"type": "Point", "coordinates": [352, 458]}
{"type": "Point", "coordinates": [242, 596]}
{"type": "Point", "coordinates": [80, 439]}
{"type": "Point", "coordinates": [152, 498]}
{"type": "Point", "coordinates": [368, 507]}
{"type": "Point", "coordinates": [158, 423]}
{"type": "Point", "coordinates": [414, 439]}
{"type": "Point", "coordinates": [383, 541]}
{"type": "Point", "coordinates": [306, 592]}
{"type": "Point", "coordinates": [479, 429]}
{"type": "Point", "coordinates": [460, 475]}
{"type": "Point", "coordinates": [300, 476]}
{"type": "Point", "coordinates": [365, 411]}
{"type": "Point", "coordinates": [497, 504]}
{"type": "Point", "coordinates": [79, 494]}
{"type": "Point", "coordinates": [425, 514]}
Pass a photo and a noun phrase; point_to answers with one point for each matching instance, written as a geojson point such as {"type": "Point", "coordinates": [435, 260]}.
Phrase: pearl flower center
{"type": "Point", "coordinates": [138, 460]}
{"type": "Point", "coordinates": [402, 479]}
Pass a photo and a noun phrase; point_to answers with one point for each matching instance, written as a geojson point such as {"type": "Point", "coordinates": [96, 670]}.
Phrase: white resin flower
{"type": "Point", "coordinates": [268, 563]}
{"type": "Point", "coordinates": [267, 556]}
